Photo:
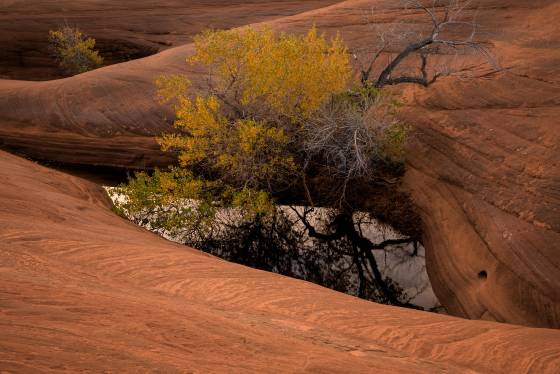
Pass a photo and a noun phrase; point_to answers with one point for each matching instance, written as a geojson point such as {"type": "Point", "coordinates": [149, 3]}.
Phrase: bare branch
{"type": "Point", "coordinates": [446, 18]}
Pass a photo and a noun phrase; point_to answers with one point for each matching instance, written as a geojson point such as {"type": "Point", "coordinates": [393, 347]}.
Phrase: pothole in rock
{"type": "Point", "coordinates": [289, 250]}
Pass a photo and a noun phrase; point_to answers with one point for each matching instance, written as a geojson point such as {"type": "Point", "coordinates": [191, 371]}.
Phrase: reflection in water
{"type": "Point", "coordinates": [284, 246]}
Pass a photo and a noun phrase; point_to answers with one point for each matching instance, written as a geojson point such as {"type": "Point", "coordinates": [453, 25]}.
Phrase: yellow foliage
{"type": "Point", "coordinates": [261, 85]}
{"type": "Point", "coordinates": [73, 51]}
{"type": "Point", "coordinates": [161, 188]}
{"type": "Point", "coordinates": [255, 152]}
{"type": "Point", "coordinates": [242, 148]}
{"type": "Point", "coordinates": [253, 203]}
{"type": "Point", "coordinates": [291, 74]}
{"type": "Point", "coordinates": [205, 128]}
{"type": "Point", "coordinates": [171, 87]}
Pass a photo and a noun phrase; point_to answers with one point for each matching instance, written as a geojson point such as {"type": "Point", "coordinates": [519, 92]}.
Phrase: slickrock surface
{"type": "Point", "coordinates": [123, 30]}
{"type": "Point", "coordinates": [82, 289]}
{"type": "Point", "coordinates": [483, 168]}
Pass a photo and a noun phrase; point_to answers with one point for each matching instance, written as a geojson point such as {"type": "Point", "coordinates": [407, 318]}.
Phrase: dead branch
{"type": "Point", "coordinates": [447, 19]}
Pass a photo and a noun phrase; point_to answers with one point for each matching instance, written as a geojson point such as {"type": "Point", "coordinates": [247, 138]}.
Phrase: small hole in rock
{"type": "Point", "coordinates": [483, 274]}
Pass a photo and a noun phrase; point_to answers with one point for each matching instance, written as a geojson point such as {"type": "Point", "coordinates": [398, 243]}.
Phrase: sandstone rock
{"type": "Point", "coordinates": [483, 168]}
{"type": "Point", "coordinates": [82, 289]}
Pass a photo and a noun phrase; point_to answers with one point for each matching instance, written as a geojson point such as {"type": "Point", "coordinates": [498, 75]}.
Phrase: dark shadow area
{"type": "Point", "coordinates": [32, 60]}
{"type": "Point", "coordinates": [102, 175]}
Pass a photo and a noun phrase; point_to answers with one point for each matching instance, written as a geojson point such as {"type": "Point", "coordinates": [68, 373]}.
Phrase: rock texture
{"type": "Point", "coordinates": [486, 175]}
{"type": "Point", "coordinates": [84, 290]}
{"type": "Point", "coordinates": [124, 30]}
{"type": "Point", "coordinates": [483, 168]}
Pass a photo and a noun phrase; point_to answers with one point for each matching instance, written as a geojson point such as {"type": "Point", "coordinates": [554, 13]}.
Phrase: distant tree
{"type": "Point", "coordinates": [74, 52]}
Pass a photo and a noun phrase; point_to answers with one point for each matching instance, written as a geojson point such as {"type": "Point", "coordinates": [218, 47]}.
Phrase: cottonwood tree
{"type": "Point", "coordinates": [283, 120]}
{"type": "Point", "coordinates": [276, 113]}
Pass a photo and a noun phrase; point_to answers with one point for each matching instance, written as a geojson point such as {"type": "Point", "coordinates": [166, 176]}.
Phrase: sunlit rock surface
{"type": "Point", "coordinates": [82, 289]}
{"type": "Point", "coordinates": [483, 168]}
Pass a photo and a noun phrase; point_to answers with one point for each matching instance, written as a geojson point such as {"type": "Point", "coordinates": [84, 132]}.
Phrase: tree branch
{"type": "Point", "coordinates": [384, 76]}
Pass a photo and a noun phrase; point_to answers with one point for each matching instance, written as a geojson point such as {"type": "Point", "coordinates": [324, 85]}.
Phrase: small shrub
{"type": "Point", "coordinates": [74, 52]}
